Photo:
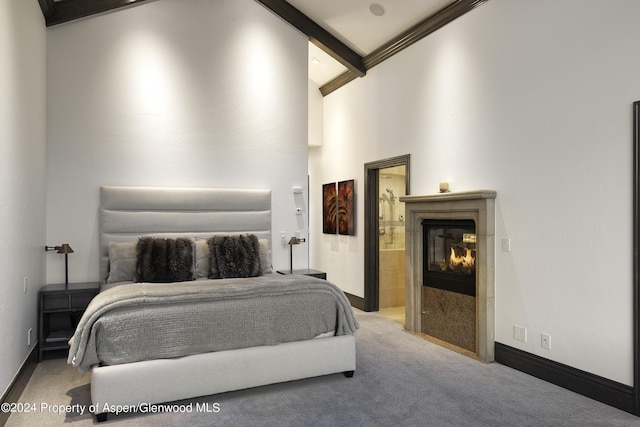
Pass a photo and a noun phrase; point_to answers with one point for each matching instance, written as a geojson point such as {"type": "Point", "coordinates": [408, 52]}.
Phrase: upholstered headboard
{"type": "Point", "coordinates": [126, 213]}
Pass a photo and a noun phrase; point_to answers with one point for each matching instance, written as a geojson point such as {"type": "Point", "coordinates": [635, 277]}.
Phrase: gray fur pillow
{"type": "Point", "coordinates": [234, 256]}
{"type": "Point", "coordinates": [164, 260]}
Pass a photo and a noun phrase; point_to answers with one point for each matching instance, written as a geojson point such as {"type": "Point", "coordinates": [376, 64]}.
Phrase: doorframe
{"type": "Point", "coordinates": [371, 239]}
{"type": "Point", "coordinates": [636, 258]}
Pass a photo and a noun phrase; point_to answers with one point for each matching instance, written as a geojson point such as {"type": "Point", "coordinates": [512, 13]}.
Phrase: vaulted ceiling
{"type": "Point", "coordinates": [346, 37]}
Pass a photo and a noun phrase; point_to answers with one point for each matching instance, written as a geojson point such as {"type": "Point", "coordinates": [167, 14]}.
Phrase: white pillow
{"type": "Point", "coordinates": [122, 261]}
{"type": "Point", "coordinates": [265, 257]}
{"type": "Point", "coordinates": [202, 259]}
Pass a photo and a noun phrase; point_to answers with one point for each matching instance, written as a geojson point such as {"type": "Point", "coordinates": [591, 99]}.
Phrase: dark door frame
{"type": "Point", "coordinates": [636, 258]}
{"type": "Point", "coordinates": [371, 240]}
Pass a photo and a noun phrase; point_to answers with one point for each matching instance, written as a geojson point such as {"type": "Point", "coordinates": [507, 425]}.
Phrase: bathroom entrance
{"type": "Point", "coordinates": [391, 232]}
{"type": "Point", "coordinates": [384, 264]}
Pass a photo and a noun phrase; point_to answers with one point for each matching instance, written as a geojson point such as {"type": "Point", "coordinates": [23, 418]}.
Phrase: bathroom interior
{"type": "Point", "coordinates": [391, 232]}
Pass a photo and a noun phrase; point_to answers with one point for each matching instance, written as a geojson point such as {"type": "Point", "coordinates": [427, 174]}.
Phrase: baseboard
{"type": "Point", "coordinates": [356, 302]}
{"type": "Point", "coordinates": [15, 389]}
{"type": "Point", "coordinates": [593, 386]}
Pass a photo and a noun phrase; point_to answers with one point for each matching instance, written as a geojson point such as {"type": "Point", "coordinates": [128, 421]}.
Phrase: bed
{"type": "Point", "coordinates": [226, 333]}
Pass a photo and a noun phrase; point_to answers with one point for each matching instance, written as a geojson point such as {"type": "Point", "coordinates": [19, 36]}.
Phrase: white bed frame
{"type": "Point", "coordinates": [126, 213]}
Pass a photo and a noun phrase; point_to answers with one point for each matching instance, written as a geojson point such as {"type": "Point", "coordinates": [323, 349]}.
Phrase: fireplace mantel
{"type": "Point", "coordinates": [478, 206]}
{"type": "Point", "coordinates": [459, 195]}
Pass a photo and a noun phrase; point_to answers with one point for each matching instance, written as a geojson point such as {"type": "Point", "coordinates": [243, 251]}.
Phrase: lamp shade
{"type": "Point", "coordinates": [295, 241]}
{"type": "Point", "coordinates": [64, 249]}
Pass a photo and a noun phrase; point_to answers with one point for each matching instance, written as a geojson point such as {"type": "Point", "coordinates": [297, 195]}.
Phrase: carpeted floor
{"type": "Point", "coordinates": [400, 380]}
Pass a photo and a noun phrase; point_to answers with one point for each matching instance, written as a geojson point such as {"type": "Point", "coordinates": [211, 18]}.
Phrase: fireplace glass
{"type": "Point", "coordinates": [450, 255]}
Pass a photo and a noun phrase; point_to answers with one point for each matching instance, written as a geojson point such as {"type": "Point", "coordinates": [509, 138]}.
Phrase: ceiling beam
{"type": "Point", "coordinates": [47, 8]}
{"type": "Point", "coordinates": [406, 39]}
{"type": "Point", "coordinates": [318, 35]}
{"type": "Point", "coordinates": [67, 10]}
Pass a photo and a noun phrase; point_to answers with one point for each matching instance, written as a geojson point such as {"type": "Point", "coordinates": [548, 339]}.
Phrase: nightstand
{"type": "Point", "coordinates": [59, 311]}
{"type": "Point", "coordinates": [306, 272]}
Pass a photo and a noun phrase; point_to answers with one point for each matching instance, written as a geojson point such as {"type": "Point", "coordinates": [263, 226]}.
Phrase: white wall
{"type": "Point", "coordinates": [22, 162]}
{"type": "Point", "coordinates": [533, 100]}
{"type": "Point", "coordinates": [172, 93]}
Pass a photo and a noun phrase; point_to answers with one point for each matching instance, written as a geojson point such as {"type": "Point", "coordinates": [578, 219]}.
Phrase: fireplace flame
{"type": "Point", "coordinates": [467, 260]}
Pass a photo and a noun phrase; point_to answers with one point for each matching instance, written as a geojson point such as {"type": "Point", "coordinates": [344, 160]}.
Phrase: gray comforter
{"type": "Point", "coordinates": [143, 321]}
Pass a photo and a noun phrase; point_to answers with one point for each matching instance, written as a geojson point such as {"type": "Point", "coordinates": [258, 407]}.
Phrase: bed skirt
{"type": "Point", "coordinates": [168, 380]}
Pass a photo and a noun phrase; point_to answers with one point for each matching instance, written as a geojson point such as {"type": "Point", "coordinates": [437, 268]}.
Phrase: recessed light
{"type": "Point", "coordinates": [376, 9]}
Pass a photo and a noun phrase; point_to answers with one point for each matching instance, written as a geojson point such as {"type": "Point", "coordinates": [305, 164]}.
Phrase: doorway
{"type": "Point", "coordinates": [385, 182]}
{"type": "Point", "coordinates": [391, 232]}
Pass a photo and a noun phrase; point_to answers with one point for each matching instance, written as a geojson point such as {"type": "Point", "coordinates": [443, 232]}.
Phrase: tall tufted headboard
{"type": "Point", "coordinates": [126, 213]}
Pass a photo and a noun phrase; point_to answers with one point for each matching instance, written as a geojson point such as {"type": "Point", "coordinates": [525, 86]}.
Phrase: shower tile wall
{"type": "Point", "coordinates": [391, 278]}
{"type": "Point", "coordinates": [392, 236]}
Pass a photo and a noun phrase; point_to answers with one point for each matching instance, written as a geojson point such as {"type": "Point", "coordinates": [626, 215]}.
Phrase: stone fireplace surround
{"type": "Point", "coordinates": [475, 205]}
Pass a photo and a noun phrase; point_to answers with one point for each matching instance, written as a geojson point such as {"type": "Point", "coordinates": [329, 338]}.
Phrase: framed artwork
{"type": "Point", "coordinates": [346, 208]}
{"type": "Point", "coordinates": [329, 208]}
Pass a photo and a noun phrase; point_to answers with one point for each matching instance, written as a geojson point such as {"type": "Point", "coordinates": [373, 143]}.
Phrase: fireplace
{"type": "Point", "coordinates": [450, 283]}
{"type": "Point", "coordinates": [450, 255]}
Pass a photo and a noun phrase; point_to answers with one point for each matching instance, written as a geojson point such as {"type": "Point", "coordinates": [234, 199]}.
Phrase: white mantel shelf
{"type": "Point", "coordinates": [458, 195]}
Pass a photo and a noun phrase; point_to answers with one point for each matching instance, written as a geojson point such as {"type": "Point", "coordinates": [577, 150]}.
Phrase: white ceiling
{"type": "Point", "coordinates": [353, 23]}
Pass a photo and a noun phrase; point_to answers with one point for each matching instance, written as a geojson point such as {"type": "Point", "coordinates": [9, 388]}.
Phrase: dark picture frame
{"type": "Point", "coordinates": [346, 208]}
{"type": "Point", "coordinates": [329, 208]}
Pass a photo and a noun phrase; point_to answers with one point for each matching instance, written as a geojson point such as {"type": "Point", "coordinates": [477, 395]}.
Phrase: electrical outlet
{"type": "Point", "coordinates": [283, 238]}
{"type": "Point", "coordinates": [520, 333]}
{"type": "Point", "coordinates": [545, 341]}
{"type": "Point", "coordinates": [29, 332]}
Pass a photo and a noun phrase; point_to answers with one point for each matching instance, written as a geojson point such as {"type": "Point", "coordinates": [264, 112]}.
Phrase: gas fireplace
{"type": "Point", "coordinates": [450, 255]}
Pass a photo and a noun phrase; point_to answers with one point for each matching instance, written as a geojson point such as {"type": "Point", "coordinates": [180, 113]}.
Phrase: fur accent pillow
{"type": "Point", "coordinates": [234, 256]}
{"type": "Point", "coordinates": [164, 260]}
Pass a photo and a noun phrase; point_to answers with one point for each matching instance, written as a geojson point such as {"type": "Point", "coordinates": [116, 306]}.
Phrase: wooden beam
{"type": "Point", "coordinates": [68, 10]}
{"type": "Point", "coordinates": [406, 39]}
{"type": "Point", "coordinates": [337, 83]}
{"type": "Point", "coordinates": [317, 35]}
{"type": "Point", "coordinates": [420, 30]}
{"type": "Point", "coordinates": [47, 8]}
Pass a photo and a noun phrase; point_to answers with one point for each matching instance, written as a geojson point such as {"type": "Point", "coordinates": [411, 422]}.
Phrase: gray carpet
{"type": "Point", "coordinates": [400, 380]}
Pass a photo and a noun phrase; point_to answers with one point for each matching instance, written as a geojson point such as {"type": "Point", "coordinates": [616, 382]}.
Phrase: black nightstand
{"type": "Point", "coordinates": [306, 272]}
{"type": "Point", "coordinates": [59, 310]}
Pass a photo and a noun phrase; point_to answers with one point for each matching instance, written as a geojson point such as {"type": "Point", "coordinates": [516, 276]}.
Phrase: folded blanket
{"type": "Point", "coordinates": [220, 314]}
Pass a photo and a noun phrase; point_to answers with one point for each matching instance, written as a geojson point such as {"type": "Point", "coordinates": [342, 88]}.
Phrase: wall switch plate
{"type": "Point", "coordinates": [29, 332]}
{"type": "Point", "coordinates": [506, 245]}
{"type": "Point", "coordinates": [25, 281]}
{"type": "Point", "coordinates": [545, 341]}
{"type": "Point", "coordinates": [520, 333]}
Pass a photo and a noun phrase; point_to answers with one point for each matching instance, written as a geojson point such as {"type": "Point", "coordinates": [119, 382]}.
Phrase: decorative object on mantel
{"type": "Point", "coordinates": [66, 250]}
{"type": "Point", "coordinates": [294, 241]}
{"type": "Point", "coordinates": [444, 187]}
{"type": "Point", "coordinates": [329, 208]}
{"type": "Point", "coordinates": [346, 207]}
